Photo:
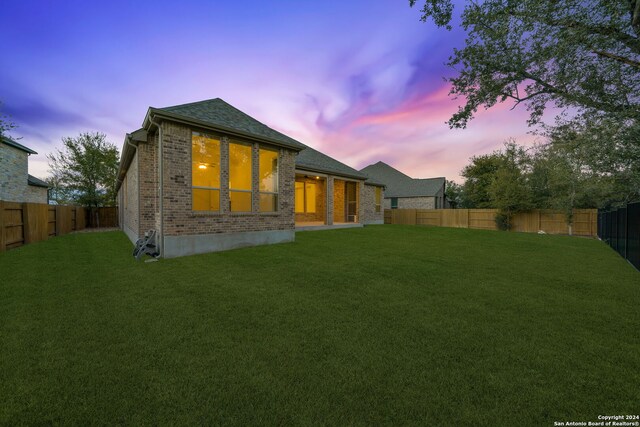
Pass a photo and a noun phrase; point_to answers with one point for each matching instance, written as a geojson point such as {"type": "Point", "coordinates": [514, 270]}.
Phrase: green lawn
{"type": "Point", "coordinates": [378, 325]}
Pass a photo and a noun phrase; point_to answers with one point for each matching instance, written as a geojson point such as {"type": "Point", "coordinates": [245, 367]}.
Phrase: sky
{"type": "Point", "coordinates": [361, 81]}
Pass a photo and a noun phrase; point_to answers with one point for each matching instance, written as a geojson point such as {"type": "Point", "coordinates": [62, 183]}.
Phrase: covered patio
{"type": "Point", "coordinates": [324, 201]}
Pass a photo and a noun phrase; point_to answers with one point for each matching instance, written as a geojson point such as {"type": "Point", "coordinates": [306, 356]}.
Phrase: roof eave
{"type": "Point", "coordinates": [126, 158]}
{"type": "Point", "coordinates": [329, 172]}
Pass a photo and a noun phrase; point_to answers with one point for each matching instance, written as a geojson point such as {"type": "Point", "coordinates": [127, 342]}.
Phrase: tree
{"type": "Point", "coordinates": [581, 55]}
{"type": "Point", "coordinates": [454, 194]}
{"type": "Point", "coordinates": [84, 171]}
{"type": "Point", "coordinates": [509, 189]}
{"type": "Point", "coordinates": [5, 124]}
{"type": "Point", "coordinates": [478, 176]}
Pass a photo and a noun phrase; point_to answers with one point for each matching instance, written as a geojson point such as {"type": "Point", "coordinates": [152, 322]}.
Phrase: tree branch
{"type": "Point", "coordinates": [618, 58]}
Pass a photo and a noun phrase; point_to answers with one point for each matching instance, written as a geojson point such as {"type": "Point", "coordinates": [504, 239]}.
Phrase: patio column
{"type": "Point", "coordinates": [329, 204]}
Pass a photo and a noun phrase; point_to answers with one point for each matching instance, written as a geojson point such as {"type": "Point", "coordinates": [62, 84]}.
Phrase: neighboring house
{"type": "Point", "coordinates": [16, 185]}
{"type": "Point", "coordinates": [207, 177]}
{"type": "Point", "coordinates": [404, 192]}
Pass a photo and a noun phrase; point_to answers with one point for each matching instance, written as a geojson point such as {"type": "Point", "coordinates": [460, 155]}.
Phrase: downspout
{"type": "Point", "coordinates": [160, 242]}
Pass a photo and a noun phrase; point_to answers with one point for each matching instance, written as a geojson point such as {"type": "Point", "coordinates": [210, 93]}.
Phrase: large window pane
{"type": "Point", "coordinates": [240, 201]}
{"type": "Point", "coordinates": [310, 196]}
{"type": "Point", "coordinates": [205, 161]}
{"type": "Point", "coordinates": [268, 202]}
{"type": "Point", "coordinates": [299, 197]}
{"type": "Point", "coordinates": [239, 167]}
{"type": "Point", "coordinates": [378, 199]}
{"type": "Point", "coordinates": [268, 171]}
{"type": "Point", "coordinates": [206, 200]}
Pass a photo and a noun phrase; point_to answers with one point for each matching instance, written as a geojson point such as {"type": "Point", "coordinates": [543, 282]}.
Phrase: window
{"type": "Point", "coordinates": [394, 203]}
{"type": "Point", "coordinates": [378, 199]}
{"type": "Point", "coordinates": [306, 197]}
{"type": "Point", "coordinates": [268, 180]}
{"type": "Point", "coordinates": [205, 172]}
{"type": "Point", "coordinates": [240, 177]}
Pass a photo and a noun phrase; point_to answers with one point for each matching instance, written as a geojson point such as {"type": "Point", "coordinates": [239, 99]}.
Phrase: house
{"type": "Point", "coordinates": [207, 177]}
{"type": "Point", "coordinates": [16, 185]}
{"type": "Point", "coordinates": [404, 192]}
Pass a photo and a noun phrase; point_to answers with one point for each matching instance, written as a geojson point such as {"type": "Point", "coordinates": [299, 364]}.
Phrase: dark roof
{"type": "Point", "coordinates": [313, 160]}
{"type": "Point", "coordinates": [32, 180]}
{"type": "Point", "coordinates": [401, 185]}
{"type": "Point", "coordinates": [14, 144]}
{"type": "Point", "coordinates": [220, 115]}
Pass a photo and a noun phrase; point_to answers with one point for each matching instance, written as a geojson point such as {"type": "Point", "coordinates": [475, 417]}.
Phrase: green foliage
{"type": "Point", "coordinates": [84, 171]}
{"type": "Point", "coordinates": [509, 188]}
{"type": "Point", "coordinates": [478, 177]}
{"type": "Point", "coordinates": [503, 221]}
{"type": "Point", "coordinates": [575, 54]}
{"type": "Point", "coordinates": [454, 194]}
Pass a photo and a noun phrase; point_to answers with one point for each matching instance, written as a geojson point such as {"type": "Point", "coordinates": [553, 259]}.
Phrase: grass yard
{"type": "Point", "coordinates": [378, 325]}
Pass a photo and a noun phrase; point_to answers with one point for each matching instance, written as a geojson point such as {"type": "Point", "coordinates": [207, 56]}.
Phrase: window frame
{"type": "Point", "coordinates": [277, 172]}
{"type": "Point", "coordinates": [200, 187]}
{"type": "Point", "coordinates": [394, 203]}
{"type": "Point", "coordinates": [251, 146]}
{"type": "Point", "coordinates": [304, 197]}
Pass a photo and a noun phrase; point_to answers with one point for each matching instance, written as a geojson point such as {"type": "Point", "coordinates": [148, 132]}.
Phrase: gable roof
{"type": "Point", "coordinates": [14, 144]}
{"type": "Point", "coordinates": [37, 182]}
{"type": "Point", "coordinates": [400, 185]}
{"type": "Point", "coordinates": [220, 115]}
{"type": "Point", "coordinates": [315, 161]}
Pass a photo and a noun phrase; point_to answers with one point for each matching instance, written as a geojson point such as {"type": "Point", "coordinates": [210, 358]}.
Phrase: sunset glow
{"type": "Point", "coordinates": [360, 81]}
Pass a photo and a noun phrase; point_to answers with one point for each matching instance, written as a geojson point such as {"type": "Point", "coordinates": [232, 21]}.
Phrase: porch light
{"type": "Point", "coordinates": [317, 177]}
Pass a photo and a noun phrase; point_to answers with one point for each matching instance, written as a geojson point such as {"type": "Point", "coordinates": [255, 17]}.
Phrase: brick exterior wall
{"type": "Point", "coordinates": [13, 166]}
{"type": "Point", "coordinates": [36, 194]}
{"type": "Point", "coordinates": [321, 201]}
{"type": "Point", "coordinates": [180, 219]}
{"type": "Point", "coordinates": [413, 203]}
{"type": "Point", "coordinates": [368, 212]}
{"type": "Point", "coordinates": [129, 198]}
{"type": "Point", "coordinates": [14, 170]}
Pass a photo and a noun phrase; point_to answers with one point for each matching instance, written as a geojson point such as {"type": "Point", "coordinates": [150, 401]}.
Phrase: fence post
{"type": "Point", "coordinates": [2, 233]}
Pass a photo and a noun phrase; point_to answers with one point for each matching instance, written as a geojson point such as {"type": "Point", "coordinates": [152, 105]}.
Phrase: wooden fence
{"type": "Point", "coordinates": [585, 221]}
{"type": "Point", "coordinates": [23, 223]}
{"type": "Point", "coordinates": [106, 216]}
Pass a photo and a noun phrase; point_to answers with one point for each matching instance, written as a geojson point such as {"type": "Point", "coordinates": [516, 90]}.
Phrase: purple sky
{"type": "Point", "coordinates": [361, 81]}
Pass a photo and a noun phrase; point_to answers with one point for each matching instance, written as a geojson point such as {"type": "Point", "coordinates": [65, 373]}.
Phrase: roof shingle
{"type": "Point", "coordinates": [220, 114]}
{"type": "Point", "coordinates": [400, 185]}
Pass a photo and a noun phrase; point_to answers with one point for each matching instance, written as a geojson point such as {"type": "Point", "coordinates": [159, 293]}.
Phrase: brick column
{"type": "Point", "coordinates": [329, 196]}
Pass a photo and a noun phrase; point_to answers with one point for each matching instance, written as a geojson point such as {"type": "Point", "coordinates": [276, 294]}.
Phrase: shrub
{"type": "Point", "coordinates": [503, 221]}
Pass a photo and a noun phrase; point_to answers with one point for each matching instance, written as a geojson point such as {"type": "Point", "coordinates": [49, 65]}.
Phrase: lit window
{"type": "Point", "coordinates": [240, 177]}
{"type": "Point", "coordinates": [268, 180]}
{"type": "Point", "coordinates": [205, 172]}
{"type": "Point", "coordinates": [310, 197]}
{"type": "Point", "coordinates": [299, 197]}
{"type": "Point", "coordinates": [306, 197]}
{"type": "Point", "coordinates": [378, 199]}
